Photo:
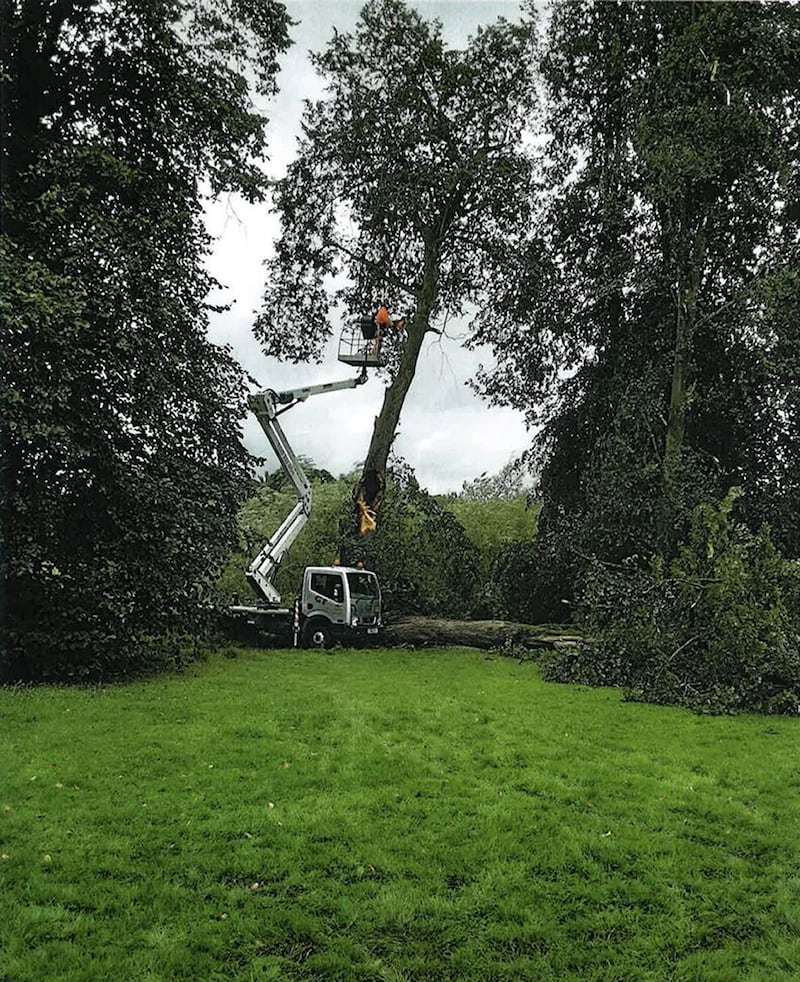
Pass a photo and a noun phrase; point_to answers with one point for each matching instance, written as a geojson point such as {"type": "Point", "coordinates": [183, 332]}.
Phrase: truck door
{"type": "Point", "coordinates": [326, 596]}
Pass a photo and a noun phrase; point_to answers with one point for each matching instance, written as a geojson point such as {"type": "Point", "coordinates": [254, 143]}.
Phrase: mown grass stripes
{"type": "Point", "coordinates": [392, 815]}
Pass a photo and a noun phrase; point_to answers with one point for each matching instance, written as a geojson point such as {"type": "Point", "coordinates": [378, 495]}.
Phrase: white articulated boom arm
{"type": "Point", "coordinates": [267, 406]}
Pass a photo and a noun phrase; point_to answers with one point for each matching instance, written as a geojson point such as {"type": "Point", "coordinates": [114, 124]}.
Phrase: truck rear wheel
{"type": "Point", "coordinates": [317, 634]}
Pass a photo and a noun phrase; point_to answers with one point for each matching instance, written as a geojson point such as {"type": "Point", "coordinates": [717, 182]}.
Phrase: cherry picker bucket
{"type": "Point", "coordinates": [360, 343]}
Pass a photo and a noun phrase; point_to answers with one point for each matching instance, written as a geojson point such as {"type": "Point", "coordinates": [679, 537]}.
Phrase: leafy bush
{"type": "Point", "coordinates": [534, 580]}
{"type": "Point", "coordinates": [718, 630]}
{"type": "Point", "coordinates": [501, 527]}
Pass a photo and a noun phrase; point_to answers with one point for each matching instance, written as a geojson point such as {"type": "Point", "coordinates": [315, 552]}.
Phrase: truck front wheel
{"type": "Point", "coordinates": [317, 634]}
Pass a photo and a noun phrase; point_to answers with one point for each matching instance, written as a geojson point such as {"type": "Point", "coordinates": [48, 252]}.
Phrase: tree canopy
{"type": "Point", "coordinates": [657, 287]}
{"type": "Point", "coordinates": [122, 464]}
{"type": "Point", "coordinates": [409, 189]}
{"type": "Point", "coordinates": [648, 329]}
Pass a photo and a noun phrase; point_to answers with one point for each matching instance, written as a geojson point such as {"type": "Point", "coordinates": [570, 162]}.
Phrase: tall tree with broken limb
{"type": "Point", "coordinates": [410, 186]}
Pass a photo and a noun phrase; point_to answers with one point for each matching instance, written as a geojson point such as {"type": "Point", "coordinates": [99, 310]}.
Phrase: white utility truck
{"type": "Point", "coordinates": [335, 603]}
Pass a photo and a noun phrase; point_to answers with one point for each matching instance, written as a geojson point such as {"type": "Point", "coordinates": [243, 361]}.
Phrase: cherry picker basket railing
{"type": "Point", "coordinates": [360, 343]}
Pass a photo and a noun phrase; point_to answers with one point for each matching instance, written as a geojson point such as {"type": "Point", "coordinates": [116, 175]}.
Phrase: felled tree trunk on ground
{"type": "Point", "coordinates": [429, 631]}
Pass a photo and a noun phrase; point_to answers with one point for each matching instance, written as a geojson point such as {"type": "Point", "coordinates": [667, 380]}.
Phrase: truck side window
{"type": "Point", "coordinates": [327, 585]}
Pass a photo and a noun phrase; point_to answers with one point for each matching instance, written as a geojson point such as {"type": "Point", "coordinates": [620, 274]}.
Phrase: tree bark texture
{"type": "Point", "coordinates": [689, 274]}
{"type": "Point", "coordinates": [422, 631]}
{"type": "Point", "coordinates": [369, 490]}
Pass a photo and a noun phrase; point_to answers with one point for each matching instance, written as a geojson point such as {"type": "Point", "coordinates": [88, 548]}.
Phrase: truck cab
{"type": "Point", "coordinates": [339, 603]}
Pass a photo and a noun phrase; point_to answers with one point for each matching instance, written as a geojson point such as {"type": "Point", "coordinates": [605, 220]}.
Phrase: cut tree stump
{"type": "Point", "coordinates": [426, 631]}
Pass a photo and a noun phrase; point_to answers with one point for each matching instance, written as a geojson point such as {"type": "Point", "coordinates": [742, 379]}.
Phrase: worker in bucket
{"type": "Point", "coordinates": [383, 321]}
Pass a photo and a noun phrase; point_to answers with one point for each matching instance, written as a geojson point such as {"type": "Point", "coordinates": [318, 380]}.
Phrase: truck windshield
{"type": "Point", "coordinates": [362, 585]}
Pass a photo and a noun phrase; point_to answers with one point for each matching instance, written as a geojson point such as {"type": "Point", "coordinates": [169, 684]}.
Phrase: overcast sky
{"type": "Point", "coordinates": [446, 433]}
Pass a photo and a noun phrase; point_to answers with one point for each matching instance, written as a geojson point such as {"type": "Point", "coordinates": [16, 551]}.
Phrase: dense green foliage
{"type": "Point", "coordinates": [500, 516]}
{"type": "Point", "coordinates": [651, 327]}
{"type": "Point", "coordinates": [423, 557]}
{"type": "Point", "coordinates": [412, 158]}
{"type": "Point", "coordinates": [434, 555]}
{"type": "Point", "coordinates": [392, 815]}
{"type": "Point", "coordinates": [717, 629]}
{"type": "Point", "coordinates": [122, 469]}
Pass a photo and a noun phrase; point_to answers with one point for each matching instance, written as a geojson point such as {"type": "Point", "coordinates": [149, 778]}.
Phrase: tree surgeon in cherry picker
{"type": "Point", "coordinates": [377, 331]}
{"type": "Point", "coordinates": [335, 602]}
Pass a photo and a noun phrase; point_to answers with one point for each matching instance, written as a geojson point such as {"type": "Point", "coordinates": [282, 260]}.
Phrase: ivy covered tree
{"type": "Point", "coordinates": [122, 466]}
{"type": "Point", "coordinates": [649, 323]}
{"type": "Point", "coordinates": [411, 187]}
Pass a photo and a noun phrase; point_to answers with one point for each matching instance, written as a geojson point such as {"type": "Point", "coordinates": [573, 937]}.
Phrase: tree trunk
{"type": "Point", "coordinates": [676, 423]}
{"type": "Point", "coordinates": [421, 631]}
{"type": "Point", "coordinates": [690, 263]}
{"type": "Point", "coordinates": [373, 478]}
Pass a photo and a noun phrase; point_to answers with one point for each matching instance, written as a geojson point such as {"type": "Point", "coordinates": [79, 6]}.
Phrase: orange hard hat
{"type": "Point", "coordinates": [382, 317]}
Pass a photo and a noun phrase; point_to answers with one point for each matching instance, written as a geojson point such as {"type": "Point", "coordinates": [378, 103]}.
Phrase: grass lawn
{"type": "Point", "coordinates": [388, 816]}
